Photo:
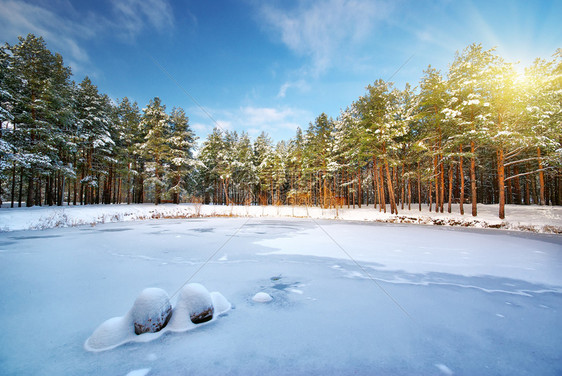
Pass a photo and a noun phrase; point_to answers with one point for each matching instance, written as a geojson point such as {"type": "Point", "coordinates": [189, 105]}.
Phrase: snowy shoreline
{"type": "Point", "coordinates": [534, 218]}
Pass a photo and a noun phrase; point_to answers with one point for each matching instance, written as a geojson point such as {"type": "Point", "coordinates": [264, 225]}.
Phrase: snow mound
{"type": "Point", "coordinates": [194, 304]}
{"type": "Point", "coordinates": [153, 315]}
{"type": "Point", "coordinates": [262, 297]}
{"type": "Point", "coordinates": [151, 311]}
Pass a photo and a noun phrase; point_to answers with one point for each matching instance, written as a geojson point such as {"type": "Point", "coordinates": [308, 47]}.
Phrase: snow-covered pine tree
{"type": "Point", "coordinates": [130, 137]}
{"type": "Point", "coordinates": [180, 154]}
{"type": "Point", "coordinates": [466, 105]}
{"type": "Point", "coordinates": [263, 160]}
{"type": "Point", "coordinates": [155, 148]}
{"type": "Point", "coordinates": [208, 166]}
{"type": "Point", "coordinates": [433, 99]}
{"type": "Point", "coordinates": [378, 109]}
{"type": "Point", "coordinates": [93, 118]}
{"type": "Point", "coordinates": [244, 175]}
{"type": "Point", "coordinates": [41, 114]}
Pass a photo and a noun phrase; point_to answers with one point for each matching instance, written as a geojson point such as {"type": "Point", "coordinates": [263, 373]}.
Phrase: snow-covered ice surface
{"type": "Point", "coordinates": [472, 302]}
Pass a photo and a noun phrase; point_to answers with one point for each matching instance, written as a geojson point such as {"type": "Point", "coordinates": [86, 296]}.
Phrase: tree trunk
{"type": "Point", "coordinates": [383, 195]}
{"type": "Point", "coordinates": [402, 189]}
{"type": "Point", "coordinates": [13, 185]}
{"type": "Point", "coordinates": [541, 178]}
{"type": "Point", "coordinates": [30, 190]}
{"type": "Point", "coordinates": [473, 191]}
{"type": "Point", "coordinates": [430, 196]}
{"type": "Point", "coordinates": [461, 171]}
{"type": "Point", "coordinates": [409, 194]}
{"type": "Point", "coordinates": [436, 178]}
{"type": "Point", "coordinates": [509, 196]}
{"type": "Point", "coordinates": [451, 168]}
{"type": "Point", "coordinates": [393, 208]}
{"type": "Point", "coordinates": [20, 190]}
{"type": "Point", "coordinates": [517, 185]}
{"type": "Point", "coordinates": [359, 191]}
{"type": "Point", "coordinates": [441, 182]}
{"type": "Point", "coordinates": [501, 182]}
{"type": "Point", "coordinates": [419, 188]}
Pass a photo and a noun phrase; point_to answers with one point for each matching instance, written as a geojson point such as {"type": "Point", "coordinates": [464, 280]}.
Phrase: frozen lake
{"type": "Point", "coordinates": [348, 298]}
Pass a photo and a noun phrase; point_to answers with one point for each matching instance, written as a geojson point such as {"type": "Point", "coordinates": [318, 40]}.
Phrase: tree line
{"type": "Point", "coordinates": [63, 142]}
{"type": "Point", "coordinates": [480, 133]}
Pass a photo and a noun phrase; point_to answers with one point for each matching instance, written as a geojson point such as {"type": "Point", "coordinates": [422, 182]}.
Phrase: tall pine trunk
{"type": "Point", "coordinates": [419, 188]}
{"type": "Point", "coordinates": [461, 171]}
{"type": "Point", "coordinates": [30, 190]}
{"type": "Point", "coordinates": [449, 205]}
{"type": "Point", "coordinates": [13, 185]}
{"type": "Point", "coordinates": [383, 195]}
{"type": "Point", "coordinates": [473, 192]}
{"type": "Point", "coordinates": [393, 208]}
{"type": "Point", "coordinates": [541, 178]}
{"type": "Point", "coordinates": [501, 182]}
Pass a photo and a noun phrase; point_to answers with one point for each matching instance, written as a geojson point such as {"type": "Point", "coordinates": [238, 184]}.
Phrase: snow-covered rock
{"type": "Point", "coordinates": [195, 302]}
{"type": "Point", "coordinates": [151, 311]}
{"type": "Point", "coordinates": [262, 297]}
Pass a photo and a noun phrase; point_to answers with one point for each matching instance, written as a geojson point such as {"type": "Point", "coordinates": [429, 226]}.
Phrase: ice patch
{"type": "Point", "coordinates": [500, 315]}
{"type": "Point", "coordinates": [120, 330]}
{"type": "Point", "coordinates": [443, 368]}
{"type": "Point", "coordinates": [262, 297]}
{"type": "Point", "coordinates": [224, 257]}
{"type": "Point", "coordinates": [139, 372]}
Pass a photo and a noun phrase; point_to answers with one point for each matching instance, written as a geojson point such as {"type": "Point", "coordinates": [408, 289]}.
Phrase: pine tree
{"type": "Point", "coordinates": [263, 160]}
{"type": "Point", "coordinates": [472, 114]}
{"type": "Point", "coordinates": [93, 117]}
{"type": "Point", "coordinates": [155, 149]}
{"type": "Point", "coordinates": [208, 166]}
{"type": "Point", "coordinates": [180, 154]}
{"type": "Point", "coordinates": [39, 96]}
{"type": "Point", "coordinates": [130, 137]}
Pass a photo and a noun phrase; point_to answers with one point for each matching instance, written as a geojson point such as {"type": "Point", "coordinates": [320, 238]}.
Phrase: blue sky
{"type": "Point", "coordinates": [273, 65]}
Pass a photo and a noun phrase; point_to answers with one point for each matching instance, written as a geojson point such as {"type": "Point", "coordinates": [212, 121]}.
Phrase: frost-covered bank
{"type": "Point", "coordinates": [544, 219]}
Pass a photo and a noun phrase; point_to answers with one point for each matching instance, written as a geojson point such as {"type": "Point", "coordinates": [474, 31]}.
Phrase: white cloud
{"type": "Point", "coordinates": [20, 18]}
{"type": "Point", "coordinates": [301, 85]}
{"type": "Point", "coordinates": [280, 123]}
{"type": "Point", "coordinates": [320, 30]}
{"type": "Point", "coordinates": [65, 29]}
{"type": "Point", "coordinates": [270, 119]}
{"type": "Point", "coordinates": [134, 15]}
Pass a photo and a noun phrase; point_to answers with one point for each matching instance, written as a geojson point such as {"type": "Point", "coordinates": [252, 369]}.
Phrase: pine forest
{"type": "Point", "coordinates": [482, 132]}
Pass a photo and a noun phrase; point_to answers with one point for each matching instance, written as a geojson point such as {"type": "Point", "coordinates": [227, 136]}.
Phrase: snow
{"type": "Point", "coordinates": [475, 301]}
{"type": "Point", "coordinates": [533, 218]}
{"type": "Point", "coordinates": [262, 297]}
{"type": "Point", "coordinates": [444, 369]}
{"type": "Point", "coordinates": [139, 372]}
